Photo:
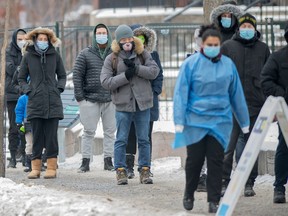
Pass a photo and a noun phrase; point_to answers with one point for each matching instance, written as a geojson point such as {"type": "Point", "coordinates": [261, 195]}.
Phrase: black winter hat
{"type": "Point", "coordinates": [248, 18]}
{"type": "Point", "coordinates": [286, 33]}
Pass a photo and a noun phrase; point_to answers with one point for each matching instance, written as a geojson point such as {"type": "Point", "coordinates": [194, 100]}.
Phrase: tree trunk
{"type": "Point", "coordinates": [208, 6]}
{"type": "Point", "coordinates": [2, 92]}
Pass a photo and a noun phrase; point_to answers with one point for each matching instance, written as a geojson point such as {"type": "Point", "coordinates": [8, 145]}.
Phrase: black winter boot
{"type": "Point", "coordinates": [248, 191]}
{"type": "Point", "coordinates": [108, 165]}
{"type": "Point", "coordinates": [130, 165]}
{"type": "Point", "coordinates": [213, 207]}
{"type": "Point", "coordinates": [12, 162]}
{"type": "Point", "coordinates": [28, 163]}
{"type": "Point", "coordinates": [202, 184]}
{"type": "Point", "coordinates": [84, 166]}
{"type": "Point", "coordinates": [279, 197]}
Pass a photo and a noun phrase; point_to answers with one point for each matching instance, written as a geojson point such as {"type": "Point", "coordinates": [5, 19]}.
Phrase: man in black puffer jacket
{"type": "Point", "coordinates": [13, 60]}
{"type": "Point", "coordinates": [94, 101]}
{"type": "Point", "coordinates": [274, 81]}
{"type": "Point", "coordinates": [249, 55]}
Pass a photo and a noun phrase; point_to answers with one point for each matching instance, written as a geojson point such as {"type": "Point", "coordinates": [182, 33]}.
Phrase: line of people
{"type": "Point", "coordinates": [210, 113]}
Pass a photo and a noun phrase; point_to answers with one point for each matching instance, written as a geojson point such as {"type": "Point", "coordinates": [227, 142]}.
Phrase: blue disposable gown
{"type": "Point", "coordinates": [205, 96]}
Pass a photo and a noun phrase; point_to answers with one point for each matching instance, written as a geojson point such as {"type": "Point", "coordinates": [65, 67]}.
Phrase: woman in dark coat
{"type": "Point", "coordinates": [47, 75]}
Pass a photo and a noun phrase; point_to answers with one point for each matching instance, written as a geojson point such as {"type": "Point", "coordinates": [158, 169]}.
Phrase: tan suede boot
{"type": "Point", "coordinates": [36, 169]}
{"type": "Point", "coordinates": [51, 168]}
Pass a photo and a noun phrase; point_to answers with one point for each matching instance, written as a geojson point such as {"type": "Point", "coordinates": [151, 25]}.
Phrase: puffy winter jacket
{"type": "Point", "coordinates": [126, 93]}
{"type": "Point", "coordinates": [21, 109]}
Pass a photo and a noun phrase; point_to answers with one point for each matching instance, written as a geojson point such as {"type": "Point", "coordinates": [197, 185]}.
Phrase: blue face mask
{"type": "Point", "coordinates": [101, 38]}
{"type": "Point", "coordinates": [42, 44]}
{"type": "Point", "coordinates": [211, 51]}
{"type": "Point", "coordinates": [247, 33]}
{"type": "Point", "coordinates": [226, 22]}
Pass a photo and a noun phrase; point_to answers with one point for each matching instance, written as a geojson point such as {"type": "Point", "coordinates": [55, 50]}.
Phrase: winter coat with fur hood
{"type": "Point", "coordinates": [87, 70]}
{"type": "Point", "coordinates": [126, 93]}
{"type": "Point", "coordinates": [215, 17]}
{"type": "Point", "coordinates": [47, 78]}
{"type": "Point", "coordinates": [13, 60]}
{"type": "Point", "coordinates": [150, 44]}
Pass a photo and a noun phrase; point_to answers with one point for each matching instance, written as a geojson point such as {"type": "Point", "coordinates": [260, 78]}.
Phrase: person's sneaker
{"type": "Point", "coordinates": [202, 184]}
{"type": "Point", "coordinates": [188, 203]}
{"type": "Point", "coordinates": [108, 165]}
{"type": "Point", "coordinates": [84, 166]}
{"type": "Point", "coordinates": [121, 176]}
{"type": "Point", "coordinates": [145, 176]}
{"type": "Point", "coordinates": [248, 191]}
{"type": "Point", "coordinates": [213, 207]}
{"type": "Point", "coordinates": [12, 164]}
{"type": "Point", "coordinates": [279, 197]}
{"type": "Point", "coordinates": [224, 187]}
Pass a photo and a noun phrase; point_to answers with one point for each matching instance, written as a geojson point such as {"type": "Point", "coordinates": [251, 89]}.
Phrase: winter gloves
{"type": "Point", "coordinates": [129, 73]}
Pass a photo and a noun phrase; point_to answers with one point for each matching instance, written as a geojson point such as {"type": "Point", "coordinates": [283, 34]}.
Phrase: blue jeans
{"type": "Point", "coordinates": [123, 122]}
{"type": "Point", "coordinates": [281, 164]}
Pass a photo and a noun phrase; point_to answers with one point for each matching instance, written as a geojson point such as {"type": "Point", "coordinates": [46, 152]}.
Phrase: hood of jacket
{"type": "Point", "coordinates": [94, 43]}
{"type": "Point", "coordinates": [150, 37]}
{"type": "Point", "coordinates": [235, 10]}
{"type": "Point", "coordinates": [139, 47]}
{"type": "Point", "coordinates": [14, 39]}
{"type": "Point", "coordinates": [31, 36]}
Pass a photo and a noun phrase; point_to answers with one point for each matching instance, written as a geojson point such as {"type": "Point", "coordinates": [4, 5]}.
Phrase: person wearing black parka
{"type": "Point", "coordinates": [44, 66]}
{"type": "Point", "coordinates": [274, 81]}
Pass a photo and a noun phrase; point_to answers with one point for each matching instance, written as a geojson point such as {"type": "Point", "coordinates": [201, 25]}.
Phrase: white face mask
{"type": "Point", "coordinates": [21, 43]}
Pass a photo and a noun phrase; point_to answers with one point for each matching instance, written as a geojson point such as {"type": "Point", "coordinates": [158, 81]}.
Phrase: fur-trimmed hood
{"type": "Point", "coordinates": [150, 37]}
{"type": "Point", "coordinates": [31, 36]}
{"type": "Point", "coordinates": [235, 10]}
{"type": "Point", "coordinates": [139, 48]}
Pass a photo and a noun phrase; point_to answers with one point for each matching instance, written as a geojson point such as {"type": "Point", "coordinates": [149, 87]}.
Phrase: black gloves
{"type": "Point", "coordinates": [129, 63]}
{"type": "Point", "coordinates": [129, 73]}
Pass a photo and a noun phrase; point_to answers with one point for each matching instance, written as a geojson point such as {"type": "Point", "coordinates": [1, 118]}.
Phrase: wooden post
{"type": "Point", "coordinates": [2, 91]}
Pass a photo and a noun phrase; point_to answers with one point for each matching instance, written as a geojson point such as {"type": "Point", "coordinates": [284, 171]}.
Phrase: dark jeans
{"type": "Point", "coordinates": [131, 147]}
{"type": "Point", "coordinates": [281, 164]}
{"type": "Point", "coordinates": [44, 136]}
{"type": "Point", "coordinates": [210, 148]}
{"type": "Point", "coordinates": [237, 142]}
{"type": "Point", "coordinates": [13, 136]}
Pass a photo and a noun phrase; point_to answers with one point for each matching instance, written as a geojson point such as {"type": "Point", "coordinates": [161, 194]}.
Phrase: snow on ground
{"type": "Point", "coordinates": [30, 199]}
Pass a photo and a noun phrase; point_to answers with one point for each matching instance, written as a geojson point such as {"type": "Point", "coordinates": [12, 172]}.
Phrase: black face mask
{"type": "Point", "coordinates": [127, 46]}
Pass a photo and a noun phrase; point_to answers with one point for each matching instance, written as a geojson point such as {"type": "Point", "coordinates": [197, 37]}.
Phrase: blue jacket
{"type": "Point", "coordinates": [21, 109]}
{"type": "Point", "coordinates": [205, 95]}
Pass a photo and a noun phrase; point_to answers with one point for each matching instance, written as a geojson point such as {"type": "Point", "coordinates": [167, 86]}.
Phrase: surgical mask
{"type": "Point", "coordinates": [142, 38]}
{"type": "Point", "coordinates": [226, 22]}
{"type": "Point", "coordinates": [127, 46]}
{"type": "Point", "coordinates": [101, 38]}
{"type": "Point", "coordinates": [247, 33]}
{"type": "Point", "coordinates": [42, 44]}
{"type": "Point", "coordinates": [21, 43]}
{"type": "Point", "coordinates": [211, 51]}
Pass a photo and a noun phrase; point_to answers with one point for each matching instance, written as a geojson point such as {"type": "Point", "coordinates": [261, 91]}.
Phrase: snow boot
{"type": "Point", "coordinates": [202, 184]}
{"type": "Point", "coordinates": [130, 165]}
{"type": "Point", "coordinates": [121, 176]}
{"type": "Point", "coordinates": [84, 166]}
{"type": "Point", "coordinates": [51, 168]}
{"type": "Point", "coordinates": [28, 163]}
{"type": "Point", "coordinates": [145, 176]}
{"type": "Point", "coordinates": [279, 197]}
{"type": "Point", "coordinates": [108, 165]}
{"type": "Point", "coordinates": [36, 169]}
{"type": "Point", "coordinates": [188, 202]}
{"type": "Point", "coordinates": [213, 207]}
{"type": "Point", "coordinates": [248, 190]}
{"type": "Point", "coordinates": [12, 162]}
